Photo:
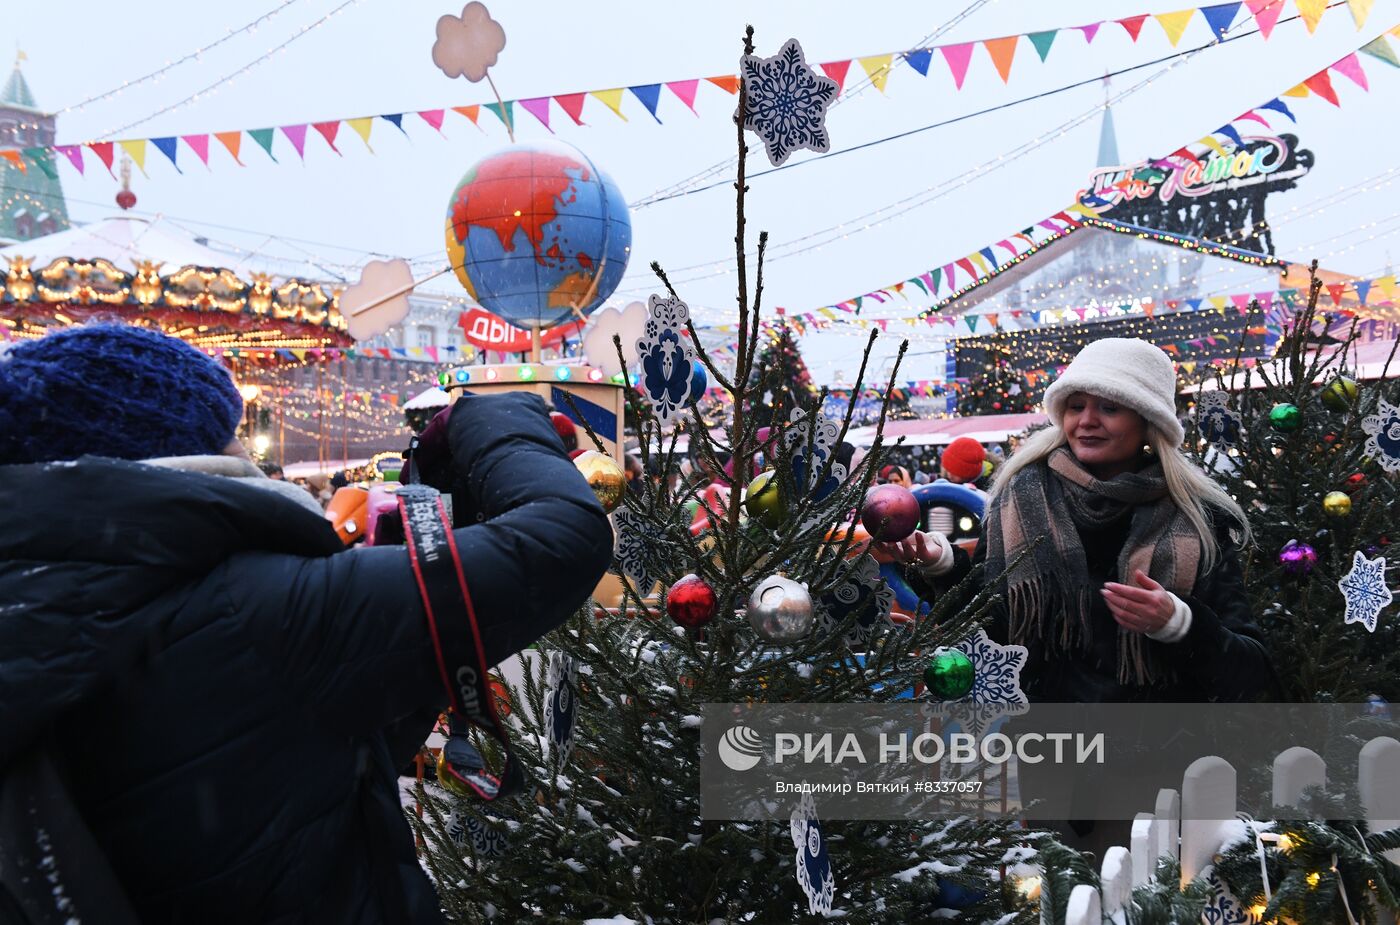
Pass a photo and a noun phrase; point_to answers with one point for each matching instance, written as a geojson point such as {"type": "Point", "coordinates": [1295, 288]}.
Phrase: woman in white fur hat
{"type": "Point", "coordinates": [1134, 592]}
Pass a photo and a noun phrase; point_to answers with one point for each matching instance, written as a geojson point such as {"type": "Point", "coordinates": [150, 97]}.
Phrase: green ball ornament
{"type": "Point", "coordinates": [1336, 504]}
{"type": "Point", "coordinates": [1285, 417]}
{"type": "Point", "coordinates": [764, 502]}
{"type": "Point", "coordinates": [949, 674]}
{"type": "Point", "coordinates": [1340, 394]}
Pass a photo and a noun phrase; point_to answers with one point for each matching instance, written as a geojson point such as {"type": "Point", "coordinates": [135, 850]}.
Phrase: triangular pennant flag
{"type": "Point", "coordinates": [263, 136]}
{"type": "Point", "coordinates": [1278, 105]}
{"type": "Point", "coordinates": [1002, 50]}
{"type": "Point", "coordinates": [980, 259]}
{"type": "Point", "coordinates": [877, 68]}
{"type": "Point", "coordinates": [136, 150]}
{"type": "Point", "coordinates": [1218, 301]}
{"type": "Point", "coordinates": [572, 104]}
{"type": "Point", "coordinates": [296, 134]}
{"type": "Point", "coordinates": [1311, 11]}
{"type": "Point", "coordinates": [1229, 132]}
{"type": "Point", "coordinates": [1298, 92]}
{"type": "Point", "coordinates": [363, 126]}
{"type": "Point", "coordinates": [104, 152]}
{"type": "Point", "coordinates": [199, 144]}
{"type": "Point", "coordinates": [935, 274]}
{"type": "Point", "coordinates": [328, 131]}
{"type": "Point", "coordinates": [1350, 67]}
{"type": "Point", "coordinates": [729, 83]}
{"type": "Point", "coordinates": [1148, 308]}
{"type": "Point", "coordinates": [471, 112]}
{"type": "Point", "coordinates": [539, 108]}
{"type": "Point", "coordinates": [650, 95]}
{"type": "Point", "coordinates": [1089, 31]}
{"type": "Point", "coordinates": [1252, 116]}
{"type": "Point", "coordinates": [958, 57]}
{"type": "Point", "coordinates": [1321, 84]}
{"type": "Point", "coordinates": [1265, 13]}
{"type": "Point", "coordinates": [1360, 9]}
{"type": "Point", "coordinates": [1214, 145]}
{"type": "Point", "coordinates": [433, 117]}
{"type": "Point", "coordinates": [231, 141]}
{"type": "Point", "coordinates": [966, 265]}
{"type": "Point", "coordinates": [993, 318]}
{"type": "Point", "coordinates": [971, 323]}
{"type": "Point", "coordinates": [505, 112]}
{"type": "Point", "coordinates": [1241, 302]}
{"type": "Point", "coordinates": [1363, 289]}
{"type": "Point", "coordinates": [1219, 17]}
{"type": "Point", "coordinates": [1042, 42]}
{"type": "Point", "coordinates": [43, 159]}
{"type": "Point", "coordinates": [1174, 24]}
{"type": "Point", "coordinates": [1336, 291]}
{"type": "Point", "coordinates": [13, 157]}
{"type": "Point", "coordinates": [396, 119]}
{"type": "Point", "coordinates": [919, 59]}
{"type": "Point", "coordinates": [1381, 49]}
{"type": "Point", "coordinates": [168, 147]}
{"type": "Point", "coordinates": [613, 100]}
{"type": "Point", "coordinates": [74, 153]}
{"type": "Point", "coordinates": [1387, 286]}
{"type": "Point", "coordinates": [683, 89]}
{"type": "Point", "coordinates": [989, 254]}
{"type": "Point", "coordinates": [917, 281]}
{"type": "Point", "coordinates": [1134, 25]}
{"type": "Point", "coordinates": [836, 70]}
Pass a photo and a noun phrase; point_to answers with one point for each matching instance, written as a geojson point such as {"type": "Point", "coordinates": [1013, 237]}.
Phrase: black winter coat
{"type": "Point", "coordinates": [1222, 658]}
{"type": "Point", "coordinates": [234, 693]}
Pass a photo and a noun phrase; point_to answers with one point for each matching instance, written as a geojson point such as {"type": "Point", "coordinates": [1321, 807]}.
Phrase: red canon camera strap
{"type": "Point", "coordinates": [443, 586]}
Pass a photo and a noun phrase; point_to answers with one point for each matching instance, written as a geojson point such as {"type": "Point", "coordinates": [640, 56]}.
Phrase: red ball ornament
{"type": "Point", "coordinates": [126, 199]}
{"type": "Point", "coordinates": [691, 601]}
{"type": "Point", "coordinates": [1355, 481]}
{"type": "Point", "coordinates": [890, 513]}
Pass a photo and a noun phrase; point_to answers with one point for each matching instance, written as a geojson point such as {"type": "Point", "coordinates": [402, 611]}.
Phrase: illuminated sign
{"type": "Point", "coordinates": [492, 332]}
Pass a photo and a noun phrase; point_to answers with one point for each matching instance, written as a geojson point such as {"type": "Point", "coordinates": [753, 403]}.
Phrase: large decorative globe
{"type": "Point", "coordinates": [532, 228]}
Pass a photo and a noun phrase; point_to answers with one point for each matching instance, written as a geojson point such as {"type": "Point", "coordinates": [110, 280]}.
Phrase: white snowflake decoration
{"type": "Point", "coordinates": [667, 357]}
{"type": "Point", "coordinates": [799, 431]}
{"type": "Point", "coordinates": [786, 101]}
{"type": "Point", "coordinates": [996, 685]}
{"type": "Point", "coordinates": [861, 590]}
{"type": "Point", "coordinates": [1365, 590]}
{"type": "Point", "coordinates": [562, 704]}
{"type": "Point", "coordinates": [1383, 436]}
{"type": "Point", "coordinates": [1219, 423]}
{"type": "Point", "coordinates": [814, 874]}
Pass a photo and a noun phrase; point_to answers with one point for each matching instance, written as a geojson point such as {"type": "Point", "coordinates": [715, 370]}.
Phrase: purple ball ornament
{"type": "Point", "coordinates": [890, 513]}
{"type": "Point", "coordinates": [1297, 559]}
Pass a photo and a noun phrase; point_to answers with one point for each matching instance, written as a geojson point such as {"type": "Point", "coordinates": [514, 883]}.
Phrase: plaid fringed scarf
{"type": "Point", "coordinates": [1048, 592]}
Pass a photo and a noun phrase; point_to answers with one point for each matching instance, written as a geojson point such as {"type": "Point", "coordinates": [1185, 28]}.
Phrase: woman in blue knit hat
{"type": "Point", "coordinates": [220, 696]}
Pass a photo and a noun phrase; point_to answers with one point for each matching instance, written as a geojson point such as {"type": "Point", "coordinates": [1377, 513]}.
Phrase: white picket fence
{"type": "Point", "coordinates": [1195, 823]}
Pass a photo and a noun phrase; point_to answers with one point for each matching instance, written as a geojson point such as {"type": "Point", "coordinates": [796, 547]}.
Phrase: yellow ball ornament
{"type": "Point", "coordinates": [1336, 504]}
{"type": "Point", "coordinates": [1340, 394]}
{"type": "Point", "coordinates": [764, 502]}
{"type": "Point", "coordinates": [605, 477]}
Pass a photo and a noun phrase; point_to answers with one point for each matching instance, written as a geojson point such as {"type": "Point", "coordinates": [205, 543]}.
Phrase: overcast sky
{"type": "Point", "coordinates": [374, 57]}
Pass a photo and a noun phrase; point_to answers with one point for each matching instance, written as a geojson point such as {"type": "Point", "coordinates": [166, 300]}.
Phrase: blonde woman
{"type": "Point", "coordinates": [1134, 592]}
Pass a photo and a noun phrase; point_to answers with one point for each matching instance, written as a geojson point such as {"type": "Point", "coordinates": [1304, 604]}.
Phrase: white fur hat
{"type": "Point", "coordinates": [1130, 371]}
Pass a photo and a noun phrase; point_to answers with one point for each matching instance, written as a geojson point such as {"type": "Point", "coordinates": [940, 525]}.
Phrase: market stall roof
{"type": "Point", "coordinates": [988, 428]}
{"type": "Point", "coordinates": [1364, 361]}
{"type": "Point", "coordinates": [125, 241]}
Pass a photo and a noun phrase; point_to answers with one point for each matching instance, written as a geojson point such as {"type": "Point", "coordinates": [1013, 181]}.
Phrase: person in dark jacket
{"type": "Point", "coordinates": [1133, 592]}
{"type": "Point", "coordinates": [229, 691]}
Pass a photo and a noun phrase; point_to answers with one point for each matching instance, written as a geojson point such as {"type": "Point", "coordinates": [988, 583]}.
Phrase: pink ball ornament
{"type": "Point", "coordinates": [1297, 558]}
{"type": "Point", "coordinates": [890, 513]}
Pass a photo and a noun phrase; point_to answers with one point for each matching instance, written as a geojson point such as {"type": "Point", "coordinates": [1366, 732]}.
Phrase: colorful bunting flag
{"type": "Point", "coordinates": [1133, 24]}
{"type": "Point", "coordinates": [1002, 50]}
{"type": "Point", "coordinates": [539, 108]}
{"type": "Point", "coordinates": [296, 134]}
{"type": "Point", "coordinates": [231, 141]}
{"type": "Point", "coordinates": [363, 127]}
{"type": "Point", "coordinates": [1219, 18]}
{"type": "Point", "coordinates": [104, 152]}
{"type": "Point", "coordinates": [471, 112]}
{"type": "Point", "coordinates": [1350, 67]}
{"type": "Point", "coordinates": [1278, 105]}
{"type": "Point", "coordinates": [1321, 84]}
{"type": "Point", "coordinates": [396, 119]}
{"type": "Point", "coordinates": [433, 117]}
{"type": "Point", "coordinates": [683, 89]}
{"type": "Point", "coordinates": [1360, 9]}
{"type": "Point", "coordinates": [136, 150]}
{"type": "Point", "coordinates": [14, 157]}
{"type": "Point", "coordinates": [1089, 31]}
{"type": "Point", "coordinates": [1042, 42]}
{"type": "Point", "coordinates": [1381, 49]}
{"type": "Point", "coordinates": [877, 68]}
{"type": "Point", "coordinates": [1311, 11]}
{"type": "Point", "coordinates": [74, 153]}
{"type": "Point", "coordinates": [505, 112]}
{"type": "Point", "coordinates": [729, 83]}
{"type": "Point", "coordinates": [958, 58]}
{"type": "Point", "coordinates": [199, 144]}
{"type": "Point", "coordinates": [650, 95]}
{"type": "Point", "coordinates": [1174, 24]}
{"type": "Point", "coordinates": [168, 146]}
{"type": "Point", "coordinates": [572, 104]}
{"type": "Point", "coordinates": [613, 99]}
{"type": "Point", "coordinates": [328, 131]}
{"type": "Point", "coordinates": [836, 70]}
{"type": "Point", "coordinates": [919, 60]}
{"type": "Point", "coordinates": [263, 136]}
{"type": "Point", "coordinates": [1265, 13]}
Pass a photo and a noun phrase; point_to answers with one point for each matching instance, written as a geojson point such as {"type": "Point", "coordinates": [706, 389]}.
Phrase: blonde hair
{"type": "Point", "coordinates": [1194, 492]}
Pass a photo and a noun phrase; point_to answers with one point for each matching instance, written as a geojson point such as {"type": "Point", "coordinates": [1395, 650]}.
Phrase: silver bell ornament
{"type": "Point", "coordinates": [780, 610]}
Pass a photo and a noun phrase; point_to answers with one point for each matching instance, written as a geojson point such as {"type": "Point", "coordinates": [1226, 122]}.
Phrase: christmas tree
{"type": "Point", "coordinates": [1000, 387]}
{"type": "Point", "coordinates": [1302, 445]}
{"type": "Point", "coordinates": [610, 718]}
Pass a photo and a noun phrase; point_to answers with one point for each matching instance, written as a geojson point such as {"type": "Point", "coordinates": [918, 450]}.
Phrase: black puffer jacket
{"type": "Point", "coordinates": [1222, 658]}
{"type": "Point", "coordinates": [234, 693]}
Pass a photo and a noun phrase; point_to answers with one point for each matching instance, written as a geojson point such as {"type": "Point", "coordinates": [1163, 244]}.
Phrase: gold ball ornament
{"type": "Point", "coordinates": [605, 477]}
{"type": "Point", "coordinates": [1340, 393]}
{"type": "Point", "coordinates": [764, 502]}
{"type": "Point", "coordinates": [1336, 504]}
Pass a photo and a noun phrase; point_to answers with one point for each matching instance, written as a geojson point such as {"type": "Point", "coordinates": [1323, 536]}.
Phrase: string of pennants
{"type": "Point", "coordinates": [445, 354]}
{"type": "Point", "coordinates": [958, 58]}
{"type": "Point", "coordinates": [949, 281]}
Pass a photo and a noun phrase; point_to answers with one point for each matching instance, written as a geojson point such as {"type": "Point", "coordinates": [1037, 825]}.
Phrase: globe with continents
{"type": "Point", "coordinates": [536, 230]}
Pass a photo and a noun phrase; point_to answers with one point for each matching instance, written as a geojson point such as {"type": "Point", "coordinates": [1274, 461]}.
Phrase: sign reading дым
{"type": "Point", "coordinates": [1260, 159]}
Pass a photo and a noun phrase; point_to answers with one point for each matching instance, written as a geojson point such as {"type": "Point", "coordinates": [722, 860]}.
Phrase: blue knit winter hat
{"type": "Point", "coordinates": [113, 390]}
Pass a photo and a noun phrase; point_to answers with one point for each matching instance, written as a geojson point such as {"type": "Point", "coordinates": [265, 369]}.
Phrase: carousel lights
{"type": "Point", "coordinates": [250, 392]}
{"type": "Point", "coordinates": [492, 375]}
{"type": "Point", "coordinates": [595, 375]}
{"type": "Point", "coordinates": [526, 373]}
{"type": "Point", "coordinates": [562, 373]}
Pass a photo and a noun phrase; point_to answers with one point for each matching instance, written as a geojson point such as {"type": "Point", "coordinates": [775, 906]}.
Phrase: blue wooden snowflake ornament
{"type": "Point", "coordinates": [667, 358]}
{"type": "Point", "coordinates": [562, 705]}
{"type": "Point", "coordinates": [785, 102]}
{"type": "Point", "coordinates": [1383, 435]}
{"type": "Point", "coordinates": [864, 592]}
{"type": "Point", "coordinates": [814, 874]}
{"type": "Point", "coordinates": [1365, 591]}
{"type": "Point", "coordinates": [1220, 425]}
